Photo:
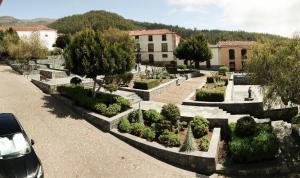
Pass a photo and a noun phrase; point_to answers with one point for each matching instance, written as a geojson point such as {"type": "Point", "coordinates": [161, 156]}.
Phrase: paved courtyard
{"type": "Point", "coordinates": [179, 93]}
{"type": "Point", "coordinates": [69, 146]}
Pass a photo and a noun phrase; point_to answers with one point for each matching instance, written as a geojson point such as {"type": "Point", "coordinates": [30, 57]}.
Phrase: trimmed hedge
{"type": "Point", "coordinates": [171, 113]}
{"type": "Point", "coordinates": [200, 126]}
{"type": "Point", "coordinates": [124, 126]}
{"type": "Point", "coordinates": [146, 84]}
{"type": "Point", "coordinates": [211, 95]}
{"type": "Point", "coordinates": [245, 127]}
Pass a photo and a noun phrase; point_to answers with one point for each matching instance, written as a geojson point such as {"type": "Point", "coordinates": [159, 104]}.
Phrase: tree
{"type": "Point", "coordinates": [62, 41]}
{"type": "Point", "coordinates": [91, 53]}
{"type": "Point", "coordinates": [276, 66]}
{"type": "Point", "coordinates": [188, 144]}
{"type": "Point", "coordinates": [194, 49]}
{"type": "Point", "coordinates": [7, 38]}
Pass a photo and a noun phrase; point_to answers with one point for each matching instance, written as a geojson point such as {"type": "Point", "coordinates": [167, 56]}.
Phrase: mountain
{"type": "Point", "coordinates": [11, 21]}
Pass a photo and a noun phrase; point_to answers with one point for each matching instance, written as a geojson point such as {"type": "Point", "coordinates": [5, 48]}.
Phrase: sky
{"type": "Point", "coordinates": [268, 16]}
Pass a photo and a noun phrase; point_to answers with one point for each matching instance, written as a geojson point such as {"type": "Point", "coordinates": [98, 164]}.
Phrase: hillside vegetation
{"type": "Point", "coordinates": [11, 21]}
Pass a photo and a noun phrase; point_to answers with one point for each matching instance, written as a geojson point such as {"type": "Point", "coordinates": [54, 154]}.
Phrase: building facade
{"type": "Point", "coordinates": [47, 35]}
{"type": "Point", "coordinates": [156, 46]}
{"type": "Point", "coordinates": [235, 54]}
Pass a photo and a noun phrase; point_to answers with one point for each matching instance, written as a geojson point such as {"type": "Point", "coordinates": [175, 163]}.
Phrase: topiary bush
{"type": "Point", "coordinates": [169, 139]}
{"type": "Point", "coordinates": [200, 126]}
{"type": "Point", "coordinates": [112, 110]}
{"type": "Point", "coordinates": [75, 81]}
{"type": "Point", "coordinates": [124, 103]}
{"type": "Point", "coordinates": [204, 144]}
{"type": "Point", "coordinates": [137, 129]}
{"type": "Point", "coordinates": [296, 119]}
{"type": "Point", "coordinates": [124, 126]}
{"type": "Point", "coordinates": [146, 84]}
{"type": "Point", "coordinates": [152, 116]}
{"type": "Point", "coordinates": [149, 134]}
{"type": "Point", "coordinates": [245, 127]}
{"type": "Point", "coordinates": [134, 116]}
{"type": "Point", "coordinates": [223, 70]}
{"type": "Point", "coordinates": [101, 108]}
{"type": "Point", "coordinates": [171, 113]}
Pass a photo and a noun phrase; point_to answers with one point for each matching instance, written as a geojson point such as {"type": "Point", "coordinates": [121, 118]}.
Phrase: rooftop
{"type": "Point", "coordinates": [151, 32]}
{"type": "Point", "coordinates": [26, 28]}
{"type": "Point", "coordinates": [235, 43]}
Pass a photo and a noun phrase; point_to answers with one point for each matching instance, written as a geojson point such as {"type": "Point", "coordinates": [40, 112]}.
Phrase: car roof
{"type": "Point", "coordinates": [9, 124]}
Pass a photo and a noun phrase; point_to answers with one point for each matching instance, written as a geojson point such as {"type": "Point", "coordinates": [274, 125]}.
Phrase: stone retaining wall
{"type": "Point", "coordinates": [201, 162]}
{"type": "Point", "coordinates": [46, 88]}
{"type": "Point", "coordinates": [101, 122]}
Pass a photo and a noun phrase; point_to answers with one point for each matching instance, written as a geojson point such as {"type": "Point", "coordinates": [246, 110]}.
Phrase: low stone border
{"type": "Point", "coordinates": [149, 94]}
{"type": "Point", "coordinates": [198, 161]}
{"type": "Point", "coordinates": [102, 122]}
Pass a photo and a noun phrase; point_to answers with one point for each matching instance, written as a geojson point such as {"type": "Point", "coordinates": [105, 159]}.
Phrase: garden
{"type": "Point", "coordinates": [166, 128]}
{"type": "Point", "coordinates": [105, 104]}
{"type": "Point", "coordinates": [215, 87]}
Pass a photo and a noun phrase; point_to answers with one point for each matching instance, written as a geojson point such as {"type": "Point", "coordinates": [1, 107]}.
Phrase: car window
{"type": "Point", "coordinates": [13, 145]}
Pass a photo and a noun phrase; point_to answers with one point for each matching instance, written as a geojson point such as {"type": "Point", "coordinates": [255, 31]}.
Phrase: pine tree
{"type": "Point", "coordinates": [140, 116]}
{"type": "Point", "coordinates": [188, 144]}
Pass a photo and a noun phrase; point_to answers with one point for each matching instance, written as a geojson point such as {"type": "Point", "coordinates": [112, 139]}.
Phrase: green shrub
{"type": "Point", "coordinates": [126, 78]}
{"type": "Point", "coordinates": [161, 126]}
{"type": "Point", "coordinates": [223, 70]}
{"type": "Point", "coordinates": [200, 126]}
{"type": "Point", "coordinates": [146, 84]}
{"type": "Point", "coordinates": [100, 108]}
{"type": "Point", "coordinates": [149, 134]}
{"type": "Point", "coordinates": [245, 127]}
{"type": "Point", "coordinates": [296, 119]}
{"type": "Point", "coordinates": [264, 128]}
{"type": "Point", "coordinates": [112, 110]}
{"type": "Point", "coordinates": [204, 144]}
{"type": "Point", "coordinates": [169, 139]}
{"type": "Point", "coordinates": [181, 67]}
{"type": "Point", "coordinates": [210, 79]}
{"type": "Point", "coordinates": [171, 113]}
{"type": "Point", "coordinates": [241, 150]}
{"type": "Point", "coordinates": [75, 81]}
{"type": "Point", "coordinates": [152, 116]}
{"type": "Point", "coordinates": [137, 129]}
{"type": "Point", "coordinates": [211, 95]}
{"type": "Point", "coordinates": [124, 103]}
{"type": "Point", "coordinates": [265, 146]}
{"type": "Point", "coordinates": [134, 116]}
{"type": "Point", "coordinates": [124, 126]}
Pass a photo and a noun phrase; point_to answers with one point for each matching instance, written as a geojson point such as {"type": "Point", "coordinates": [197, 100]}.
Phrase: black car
{"type": "Point", "coordinates": [17, 157]}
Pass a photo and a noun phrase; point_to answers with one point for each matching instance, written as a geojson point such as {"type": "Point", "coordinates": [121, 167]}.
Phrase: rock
{"type": "Point", "coordinates": [282, 129]}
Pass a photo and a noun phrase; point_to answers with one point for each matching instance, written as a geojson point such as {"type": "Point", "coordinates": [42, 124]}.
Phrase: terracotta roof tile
{"type": "Point", "coordinates": [27, 28]}
{"type": "Point", "coordinates": [150, 32]}
{"type": "Point", "coordinates": [236, 43]}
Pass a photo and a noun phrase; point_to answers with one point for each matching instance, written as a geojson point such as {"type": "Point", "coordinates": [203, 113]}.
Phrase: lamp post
{"type": "Point", "coordinates": [138, 58]}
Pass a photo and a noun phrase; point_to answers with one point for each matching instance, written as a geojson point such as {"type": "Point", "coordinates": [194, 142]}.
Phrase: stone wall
{"type": "Point", "coordinates": [200, 162]}
{"type": "Point", "coordinates": [241, 79]}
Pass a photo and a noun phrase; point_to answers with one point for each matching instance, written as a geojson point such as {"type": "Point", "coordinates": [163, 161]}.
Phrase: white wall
{"type": "Point", "coordinates": [48, 37]}
{"type": "Point", "coordinates": [215, 60]}
{"type": "Point", "coordinates": [172, 42]}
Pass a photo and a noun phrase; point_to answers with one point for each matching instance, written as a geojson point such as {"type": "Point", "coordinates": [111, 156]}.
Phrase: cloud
{"type": "Point", "coordinates": [271, 16]}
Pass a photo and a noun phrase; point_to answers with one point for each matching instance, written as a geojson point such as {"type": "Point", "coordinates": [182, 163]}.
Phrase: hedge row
{"type": "Point", "coordinates": [105, 104]}
{"type": "Point", "coordinates": [210, 95]}
{"type": "Point", "coordinates": [146, 84]}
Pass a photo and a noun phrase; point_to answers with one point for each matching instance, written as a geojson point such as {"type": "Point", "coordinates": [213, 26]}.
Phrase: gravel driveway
{"type": "Point", "coordinates": [69, 146]}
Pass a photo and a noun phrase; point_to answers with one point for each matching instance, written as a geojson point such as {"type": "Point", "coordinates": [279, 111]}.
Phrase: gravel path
{"type": "Point", "coordinates": [69, 146]}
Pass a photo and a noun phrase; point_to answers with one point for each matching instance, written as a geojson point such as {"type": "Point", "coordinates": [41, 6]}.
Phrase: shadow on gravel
{"type": "Point", "coordinates": [57, 108]}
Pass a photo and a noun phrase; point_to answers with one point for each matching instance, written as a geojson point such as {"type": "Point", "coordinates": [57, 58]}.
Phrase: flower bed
{"type": "Point", "coordinates": [165, 128]}
{"type": "Point", "coordinates": [105, 104]}
{"type": "Point", "coordinates": [146, 84]}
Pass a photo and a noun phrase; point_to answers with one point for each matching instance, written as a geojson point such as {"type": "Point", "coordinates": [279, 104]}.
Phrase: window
{"type": "Point", "coordinates": [151, 58]}
{"type": "Point", "coordinates": [150, 47]}
{"type": "Point", "coordinates": [137, 37]}
{"type": "Point", "coordinates": [232, 66]}
{"type": "Point", "coordinates": [164, 37]}
{"type": "Point", "coordinates": [165, 55]}
{"type": "Point", "coordinates": [150, 38]}
{"type": "Point", "coordinates": [164, 47]}
{"type": "Point", "coordinates": [231, 54]}
{"type": "Point", "coordinates": [244, 53]}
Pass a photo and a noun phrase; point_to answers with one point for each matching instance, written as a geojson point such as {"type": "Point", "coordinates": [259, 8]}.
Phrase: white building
{"type": "Point", "coordinates": [215, 61]}
{"type": "Point", "coordinates": [47, 35]}
{"type": "Point", "coordinates": [156, 46]}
